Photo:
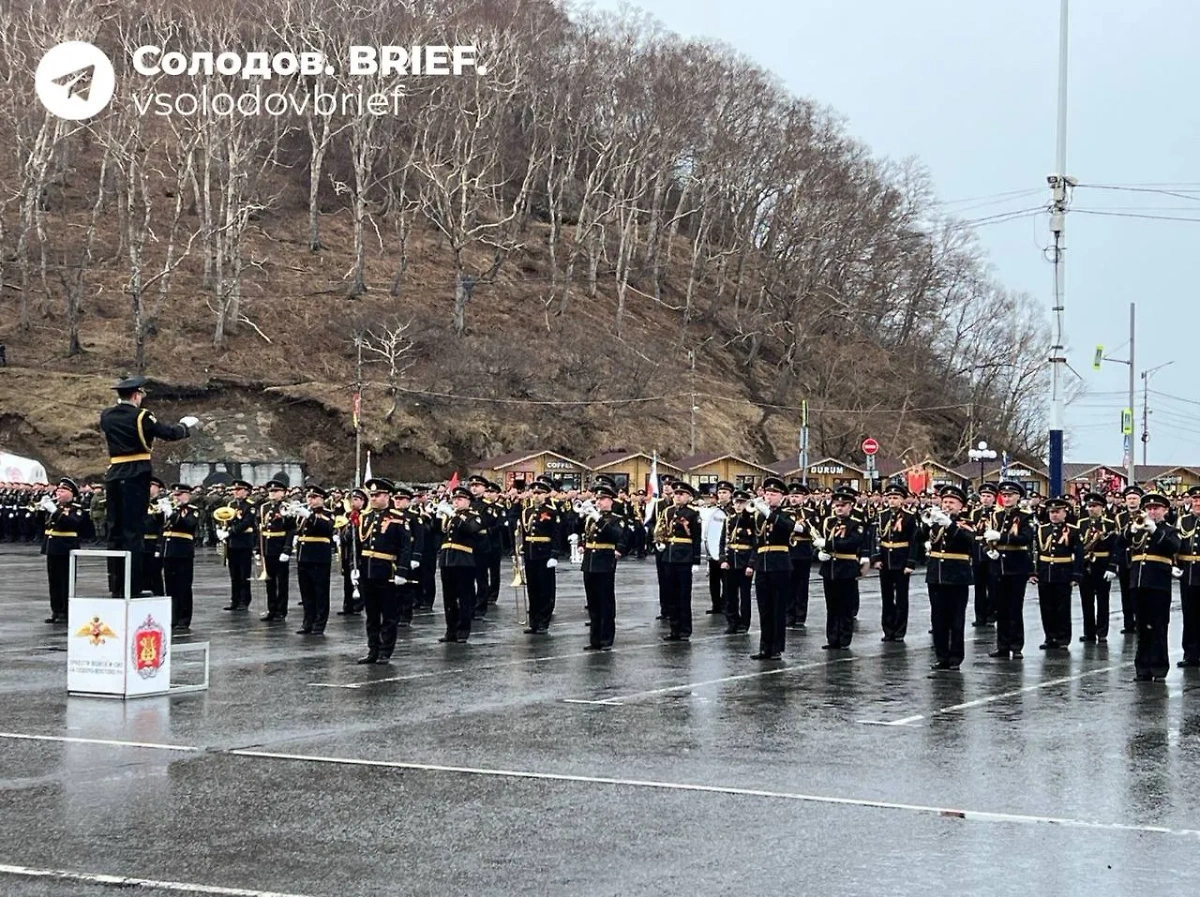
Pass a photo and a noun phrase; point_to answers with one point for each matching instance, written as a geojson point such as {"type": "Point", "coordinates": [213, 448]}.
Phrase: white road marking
{"type": "Point", "coordinates": [127, 882]}
{"type": "Point", "coordinates": [112, 742]}
{"type": "Point", "coordinates": [991, 699]}
{"type": "Point", "coordinates": [947, 812]}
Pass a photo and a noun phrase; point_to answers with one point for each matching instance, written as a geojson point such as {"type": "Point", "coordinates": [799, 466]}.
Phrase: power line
{"type": "Point", "coordinates": [1179, 194]}
{"type": "Point", "coordinates": [1133, 215]}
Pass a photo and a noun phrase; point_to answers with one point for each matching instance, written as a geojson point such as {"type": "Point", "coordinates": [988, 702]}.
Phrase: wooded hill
{"type": "Point", "coordinates": [529, 257]}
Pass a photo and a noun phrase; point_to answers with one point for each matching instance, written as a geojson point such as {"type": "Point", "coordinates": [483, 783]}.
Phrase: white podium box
{"type": "Point", "coordinates": [118, 647]}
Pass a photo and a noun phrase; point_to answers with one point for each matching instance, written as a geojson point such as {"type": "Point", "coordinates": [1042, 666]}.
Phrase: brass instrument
{"type": "Point", "coordinates": [518, 581]}
{"type": "Point", "coordinates": [223, 516]}
{"type": "Point", "coordinates": [662, 527]}
{"type": "Point", "coordinates": [1094, 534]}
{"type": "Point", "coordinates": [1138, 521]}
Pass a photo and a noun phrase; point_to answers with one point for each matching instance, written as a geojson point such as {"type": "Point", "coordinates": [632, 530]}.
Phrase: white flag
{"type": "Point", "coordinates": [367, 469]}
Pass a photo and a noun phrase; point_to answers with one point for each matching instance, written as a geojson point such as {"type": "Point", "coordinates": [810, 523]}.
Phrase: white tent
{"type": "Point", "coordinates": [15, 469]}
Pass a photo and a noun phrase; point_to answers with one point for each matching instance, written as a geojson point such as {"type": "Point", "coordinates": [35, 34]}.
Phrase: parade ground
{"type": "Point", "coordinates": [523, 764]}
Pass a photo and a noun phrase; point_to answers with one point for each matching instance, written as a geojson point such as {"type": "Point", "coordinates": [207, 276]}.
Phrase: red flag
{"type": "Point", "coordinates": [453, 481]}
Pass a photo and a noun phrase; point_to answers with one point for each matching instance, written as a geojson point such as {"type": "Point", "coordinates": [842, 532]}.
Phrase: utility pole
{"type": "Point", "coordinates": [1059, 184]}
{"type": "Point", "coordinates": [358, 341]}
{"type": "Point", "coordinates": [1127, 413]}
{"type": "Point", "coordinates": [692, 359]}
{"type": "Point", "coordinates": [1146, 408]}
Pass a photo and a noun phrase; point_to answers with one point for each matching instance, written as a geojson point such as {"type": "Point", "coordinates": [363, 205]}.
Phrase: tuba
{"type": "Point", "coordinates": [223, 516]}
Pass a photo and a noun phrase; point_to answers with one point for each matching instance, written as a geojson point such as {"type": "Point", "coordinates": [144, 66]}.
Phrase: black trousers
{"type": "Point", "coordinates": [1054, 601]}
{"type": "Point", "coordinates": [493, 578]}
{"type": "Point", "coordinates": [1093, 596]}
{"type": "Point", "coordinates": [277, 586]}
{"type": "Point", "coordinates": [894, 585]}
{"type": "Point", "coordinates": [127, 503]}
{"type": "Point", "coordinates": [664, 605]}
{"type": "Point", "coordinates": [1128, 605]}
{"type": "Point", "coordinates": [679, 598]}
{"type": "Point", "coordinates": [1153, 609]}
{"type": "Point", "coordinates": [458, 600]}
{"type": "Point", "coordinates": [985, 586]}
{"type": "Point", "coordinates": [58, 576]}
{"type": "Point", "coordinates": [601, 592]}
{"type": "Point", "coordinates": [737, 597]}
{"type": "Point", "coordinates": [948, 605]}
{"type": "Point", "coordinates": [1009, 593]}
{"type": "Point", "coordinates": [1189, 600]}
{"type": "Point", "coordinates": [379, 601]}
{"type": "Point", "coordinates": [407, 596]}
{"type": "Point", "coordinates": [313, 580]}
{"type": "Point", "coordinates": [428, 573]}
{"type": "Point", "coordinates": [239, 560]}
{"type": "Point", "coordinates": [716, 583]}
{"type": "Point", "coordinates": [152, 573]}
{"type": "Point", "coordinates": [797, 603]}
{"type": "Point", "coordinates": [771, 589]}
{"type": "Point", "coordinates": [540, 585]}
{"type": "Point", "coordinates": [841, 597]}
{"type": "Point", "coordinates": [177, 575]}
{"type": "Point", "coordinates": [481, 584]}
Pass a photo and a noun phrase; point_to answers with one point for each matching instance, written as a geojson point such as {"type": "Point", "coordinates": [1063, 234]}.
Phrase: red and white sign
{"type": "Point", "coordinates": [870, 446]}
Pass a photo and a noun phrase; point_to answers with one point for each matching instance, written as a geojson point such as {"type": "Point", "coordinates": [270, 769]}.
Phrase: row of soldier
{"type": "Point", "coordinates": [1012, 544]}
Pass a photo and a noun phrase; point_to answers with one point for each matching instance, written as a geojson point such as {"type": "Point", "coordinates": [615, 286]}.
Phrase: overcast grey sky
{"type": "Point", "coordinates": [970, 88]}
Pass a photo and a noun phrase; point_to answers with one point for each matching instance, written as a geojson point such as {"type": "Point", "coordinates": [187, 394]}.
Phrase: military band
{"type": "Point", "coordinates": [61, 538]}
{"type": "Point", "coordinates": [604, 542]}
{"type": "Point", "coordinates": [179, 555]}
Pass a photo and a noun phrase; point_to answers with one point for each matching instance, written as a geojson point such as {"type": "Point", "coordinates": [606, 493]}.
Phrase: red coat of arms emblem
{"type": "Point", "coordinates": [149, 648]}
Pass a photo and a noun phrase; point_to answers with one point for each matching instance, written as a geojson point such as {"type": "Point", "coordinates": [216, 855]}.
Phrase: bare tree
{"type": "Point", "coordinates": [394, 348]}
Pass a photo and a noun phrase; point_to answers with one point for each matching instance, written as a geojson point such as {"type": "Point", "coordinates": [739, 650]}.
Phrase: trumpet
{"type": "Point", "coordinates": [293, 508]}
{"type": "Point", "coordinates": [583, 507]}
{"type": "Point", "coordinates": [1138, 521]}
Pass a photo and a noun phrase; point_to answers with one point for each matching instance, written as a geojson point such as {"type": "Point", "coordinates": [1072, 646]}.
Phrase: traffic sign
{"type": "Point", "coordinates": [870, 446]}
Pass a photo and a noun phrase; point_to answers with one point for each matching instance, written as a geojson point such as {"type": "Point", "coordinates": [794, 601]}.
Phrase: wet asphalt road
{"type": "Point", "coordinates": [513, 765]}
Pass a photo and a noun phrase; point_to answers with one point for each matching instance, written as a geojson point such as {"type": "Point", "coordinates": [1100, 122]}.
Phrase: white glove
{"type": "Point", "coordinates": [991, 535]}
{"type": "Point", "coordinates": [444, 509]}
{"type": "Point", "coordinates": [164, 506]}
{"type": "Point", "coordinates": [573, 538]}
{"type": "Point", "coordinates": [1109, 575]}
{"type": "Point", "coordinates": [800, 527]}
{"type": "Point", "coordinates": [1150, 526]}
{"type": "Point", "coordinates": [940, 517]}
{"type": "Point", "coordinates": [818, 542]}
{"type": "Point", "coordinates": [413, 565]}
{"type": "Point", "coordinates": [399, 580]}
{"type": "Point", "coordinates": [284, 558]}
{"type": "Point", "coordinates": [48, 504]}
{"type": "Point", "coordinates": [551, 564]}
{"type": "Point", "coordinates": [661, 546]}
{"type": "Point", "coordinates": [1176, 572]}
{"type": "Point", "coordinates": [337, 541]}
{"type": "Point", "coordinates": [303, 512]}
{"type": "Point", "coordinates": [353, 577]}
{"type": "Point", "coordinates": [696, 568]}
{"type": "Point", "coordinates": [190, 421]}
{"type": "Point", "coordinates": [993, 554]}
{"type": "Point", "coordinates": [928, 547]}
{"type": "Point", "coordinates": [222, 534]}
{"type": "Point", "coordinates": [864, 562]}
{"type": "Point", "coordinates": [594, 514]}
{"type": "Point", "coordinates": [824, 556]}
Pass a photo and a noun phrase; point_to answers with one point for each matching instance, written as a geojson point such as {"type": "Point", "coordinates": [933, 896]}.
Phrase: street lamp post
{"type": "Point", "coordinates": [981, 454]}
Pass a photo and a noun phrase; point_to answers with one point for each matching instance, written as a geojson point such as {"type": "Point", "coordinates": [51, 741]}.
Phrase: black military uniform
{"type": "Point", "coordinates": [896, 529]}
{"type": "Point", "coordinates": [948, 573]}
{"type": "Point", "coordinates": [408, 591]}
{"type": "Point", "coordinates": [1098, 540]}
{"type": "Point", "coordinates": [1059, 563]}
{"type": "Point", "coordinates": [1153, 547]}
{"type": "Point", "coordinates": [456, 561]}
{"type": "Point", "coordinates": [801, 553]}
{"type": "Point", "coordinates": [541, 529]}
{"type": "Point", "coordinates": [655, 511]}
{"type": "Point", "coordinates": [772, 573]}
{"type": "Point", "coordinates": [427, 588]}
{"type": "Point", "coordinates": [241, 538]}
{"type": "Point", "coordinates": [1122, 519]}
{"type": "Point", "coordinates": [1188, 562]}
{"type": "Point", "coordinates": [739, 541]}
{"type": "Point", "coordinates": [152, 529]}
{"type": "Point", "coordinates": [314, 559]}
{"type": "Point", "coordinates": [838, 546]}
{"type": "Point", "coordinates": [682, 528]}
{"type": "Point", "coordinates": [604, 541]}
{"type": "Point", "coordinates": [497, 532]}
{"type": "Point", "coordinates": [350, 556]}
{"type": "Point", "coordinates": [178, 556]}
{"type": "Point", "coordinates": [386, 549]}
{"type": "Point", "coordinates": [130, 431]}
{"type": "Point", "coordinates": [63, 526]}
{"type": "Point", "coordinates": [980, 518]}
{"type": "Point", "coordinates": [275, 530]}
{"type": "Point", "coordinates": [1010, 570]}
